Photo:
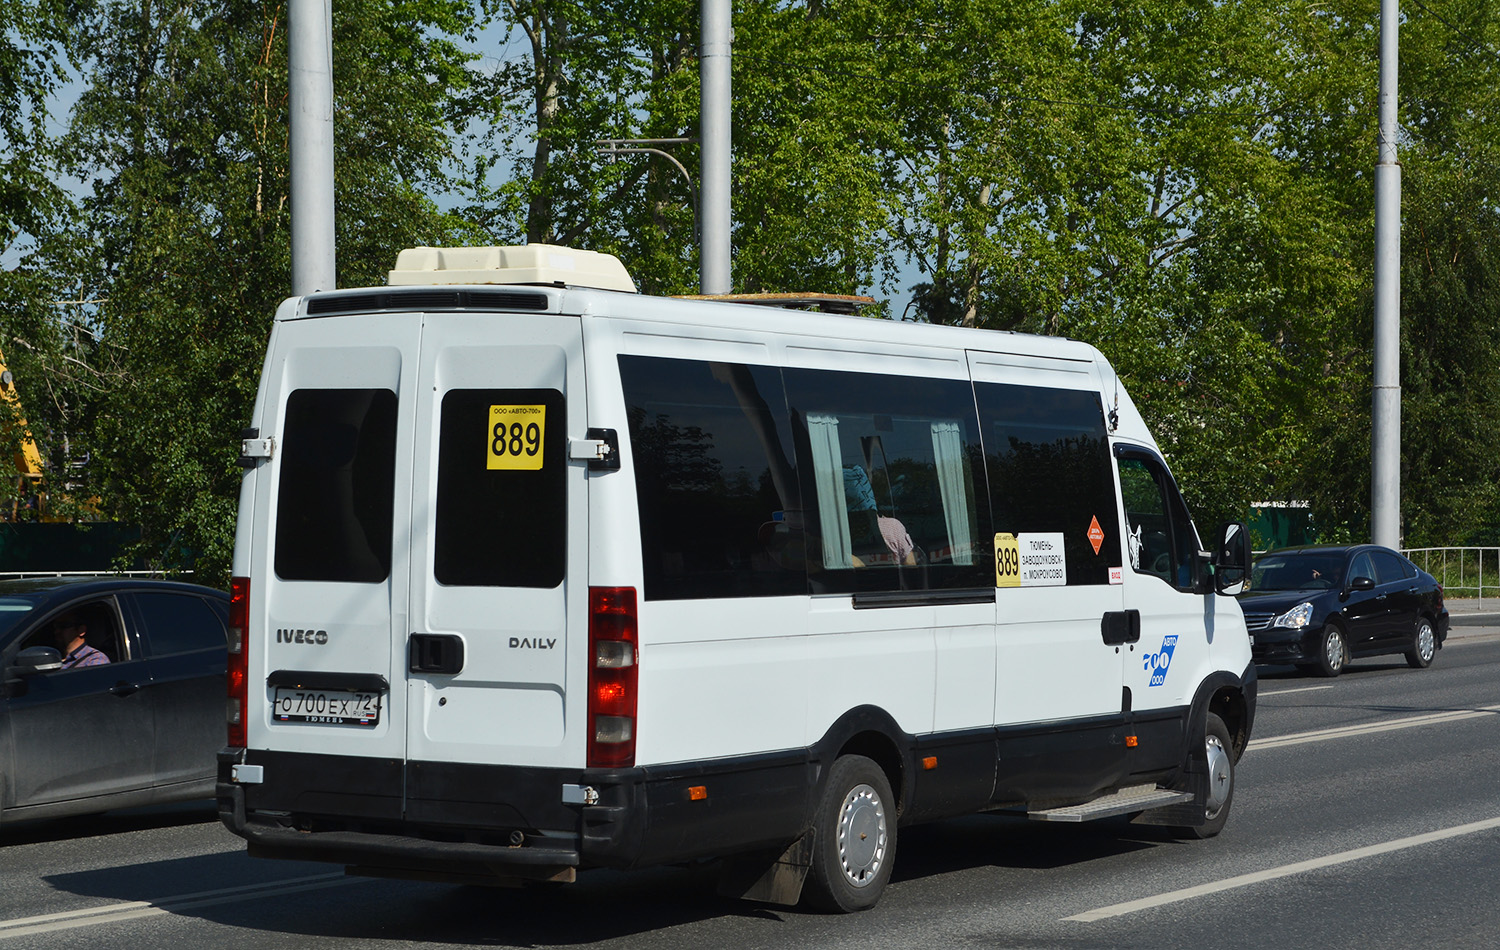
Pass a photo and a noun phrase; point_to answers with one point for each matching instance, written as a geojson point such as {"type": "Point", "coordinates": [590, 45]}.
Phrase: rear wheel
{"type": "Point", "coordinates": [854, 840]}
{"type": "Point", "coordinates": [1217, 745]}
{"type": "Point", "coordinates": [1333, 652]}
{"type": "Point", "coordinates": [1423, 645]}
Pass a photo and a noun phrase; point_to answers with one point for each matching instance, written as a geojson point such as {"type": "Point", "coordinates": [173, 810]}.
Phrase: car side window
{"type": "Point", "coordinates": [179, 623]}
{"type": "Point", "coordinates": [1161, 538]}
{"type": "Point", "coordinates": [103, 627]}
{"type": "Point", "coordinates": [1392, 567]}
{"type": "Point", "coordinates": [1363, 567]}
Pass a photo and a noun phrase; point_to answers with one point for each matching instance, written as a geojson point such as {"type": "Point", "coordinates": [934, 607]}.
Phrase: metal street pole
{"type": "Point", "coordinates": [310, 68]}
{"type": "Point", "coordinates": [713, 177]}
{"type": "Point", "coordinates": [1385, 438]}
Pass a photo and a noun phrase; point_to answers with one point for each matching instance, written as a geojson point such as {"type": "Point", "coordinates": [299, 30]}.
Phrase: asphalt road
{"type": "Point", "coordinates": [1367, 815]}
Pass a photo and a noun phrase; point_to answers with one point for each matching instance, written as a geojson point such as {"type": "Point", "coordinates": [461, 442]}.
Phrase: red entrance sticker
{"type": "Point", "coordinates": [1096, 534]}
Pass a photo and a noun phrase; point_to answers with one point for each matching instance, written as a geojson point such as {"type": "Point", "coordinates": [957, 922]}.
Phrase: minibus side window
{"type": "Point", "coordinates": [886, 461]}
{"type": "Point", "coordinates": [715, 483]}
{"type": "Point", "coordinates": [1047, 455]}
{"type": "Point", "coordinates": [502, 516]}
{"type": "Point", "coordinates": [1161, 538]}
{"type": "Point", "coordinates": [337, 485]}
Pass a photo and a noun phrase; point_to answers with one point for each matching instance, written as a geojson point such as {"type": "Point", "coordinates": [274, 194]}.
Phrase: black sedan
{"type": "Point", "coordinates": [112, 694]}
{"type": "Point", "coordinates": [1318, 606]}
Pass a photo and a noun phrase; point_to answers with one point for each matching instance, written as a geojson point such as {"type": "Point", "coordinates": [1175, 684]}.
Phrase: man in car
{"type": "Point", "coordinates": [70, 631]}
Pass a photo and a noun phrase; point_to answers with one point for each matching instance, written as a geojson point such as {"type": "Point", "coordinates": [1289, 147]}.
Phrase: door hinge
{"type": "Point", "coordinates": [600, 448]}
{"type": "Point", "coordinates": [253, 448]}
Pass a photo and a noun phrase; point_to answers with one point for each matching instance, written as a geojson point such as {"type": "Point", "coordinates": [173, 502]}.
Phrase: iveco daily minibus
{"type": "Point", "coordinates": [535, 574]}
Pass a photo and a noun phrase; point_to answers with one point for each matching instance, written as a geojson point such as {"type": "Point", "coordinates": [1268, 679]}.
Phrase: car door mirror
{"type": "Point", "coordinates": [34, 660]}
{"type": "Point", "coordinates": [1230, 561]}
{"type": "Point", "coordinates": [1362, 583]}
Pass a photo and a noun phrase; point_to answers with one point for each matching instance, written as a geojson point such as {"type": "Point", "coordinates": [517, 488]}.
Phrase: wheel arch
{"type": "Point", "coordinates": [873, 733]}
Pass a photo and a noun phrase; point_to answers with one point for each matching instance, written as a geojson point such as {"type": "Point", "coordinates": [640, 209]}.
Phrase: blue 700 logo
{"type": "Point", "coordinates": [1158, 662]}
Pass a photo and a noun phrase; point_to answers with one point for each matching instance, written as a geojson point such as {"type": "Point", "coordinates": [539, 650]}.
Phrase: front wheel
{"type": "Point", "coordinates": [1334, 652]}
{"type": "Point", "coordinates": [854, 840]}
{"type": "Point", "coordinates": [1423, 645]}
{"type": "Point", "coordinates": [1217, 745]}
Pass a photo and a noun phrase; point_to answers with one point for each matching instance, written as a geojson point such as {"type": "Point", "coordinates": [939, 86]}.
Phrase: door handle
{"type": "Point", "coordinates": [123, 688]}
{"type": "Point", "coordinates": [1120, 626]}
{"type": "Point", "coordinates": [436, 653]}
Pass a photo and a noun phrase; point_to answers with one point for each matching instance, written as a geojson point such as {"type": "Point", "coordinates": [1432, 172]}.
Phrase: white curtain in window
{"type": "Point", "coordinates": [828, 474]}
{"type": "Point", "coordinates": [948, 450]}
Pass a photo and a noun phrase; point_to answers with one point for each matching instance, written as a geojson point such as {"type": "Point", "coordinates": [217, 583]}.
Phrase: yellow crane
{"type": "Point", "coordinates": [27, 460]}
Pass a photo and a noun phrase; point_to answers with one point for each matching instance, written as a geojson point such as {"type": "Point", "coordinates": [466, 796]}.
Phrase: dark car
{"type": "Point", "coordinates": [138, 721]}
{"type": "Point", "coordinates": [1317, 606]}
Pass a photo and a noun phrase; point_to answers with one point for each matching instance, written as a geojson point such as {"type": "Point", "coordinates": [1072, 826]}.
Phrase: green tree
{"type": "Point", "coordinates": [181, 127]}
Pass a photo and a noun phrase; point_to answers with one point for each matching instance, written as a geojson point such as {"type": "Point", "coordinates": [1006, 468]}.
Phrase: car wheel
{"type": "Point", "coordinates": [1333, 652]}
{"type": "Point", "coordinates": [1423, 644]}
{"type": "Point", "coordinates": [1220, 781]}
{"type": "Point", "coordinates": [854, 841]}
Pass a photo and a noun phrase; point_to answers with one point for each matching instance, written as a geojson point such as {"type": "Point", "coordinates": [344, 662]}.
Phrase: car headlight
{"type": "Point", "coordinates": [1296, 618]}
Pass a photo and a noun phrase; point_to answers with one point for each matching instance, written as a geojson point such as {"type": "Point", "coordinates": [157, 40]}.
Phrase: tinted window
{"type": "Point", "coordinates": [1162, 540]}
{"type": "Point", "coordinates": [179, 623]}
{"type": "Point", "coordinates": [1363, 567]}
{"type": "Point", "coordinates": [1392, 567]}
{"type": "Point", "coordinates": [887, 464]}
{"type": "Point", "coordinates": [338, 465]}
{"type": "Point", "coordinates": [1047, 453]}
{"type": "Point", "coordinates": [502, 517]}
{"type": "Point", "coordinates": [1298, 572]}
{"type": "Point", "coordinates": [715, 484]}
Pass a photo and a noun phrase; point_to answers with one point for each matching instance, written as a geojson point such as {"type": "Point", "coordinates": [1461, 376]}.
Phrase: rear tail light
{"type": "Point", "coordinates": [237, 680]}
{"type": "Point", "coordinates": [613, 654]}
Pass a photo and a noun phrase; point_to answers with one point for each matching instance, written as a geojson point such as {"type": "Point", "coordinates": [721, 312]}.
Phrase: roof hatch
{"type": "Point", "coordinates": [524, 264]}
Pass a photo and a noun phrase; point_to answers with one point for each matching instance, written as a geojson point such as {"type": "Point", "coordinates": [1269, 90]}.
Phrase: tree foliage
{"type": "Point", "coordinates": [1186, 184]}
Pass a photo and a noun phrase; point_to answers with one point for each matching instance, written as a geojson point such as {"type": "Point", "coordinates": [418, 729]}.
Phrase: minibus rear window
{"type": "Point", "coordinates": [502, 518]}
{"type": "Point", "coordinates": [338, 466]}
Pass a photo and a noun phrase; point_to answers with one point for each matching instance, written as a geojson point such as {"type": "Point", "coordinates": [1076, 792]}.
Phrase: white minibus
{"type": "Point", "coordinates": [536, 574]}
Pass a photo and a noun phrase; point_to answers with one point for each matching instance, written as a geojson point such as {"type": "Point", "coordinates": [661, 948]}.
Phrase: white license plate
{"type": "Point", "coordinates": [332, 706]}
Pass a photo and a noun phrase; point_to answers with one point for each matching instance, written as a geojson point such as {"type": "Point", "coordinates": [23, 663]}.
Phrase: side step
{"type": "Point", "coordinates": [1123, 802]}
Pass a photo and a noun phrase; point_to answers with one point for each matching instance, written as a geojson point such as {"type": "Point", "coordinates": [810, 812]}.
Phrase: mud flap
{"type": "Point", "coordinates": [769, 879]}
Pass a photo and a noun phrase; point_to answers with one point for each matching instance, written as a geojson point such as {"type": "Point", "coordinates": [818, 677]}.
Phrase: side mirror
{"type": "Point", "coordinates": [1362, 583]}
{"type": "Point", "coordinates": [1230, 562]}
{"type": "Point", "coordinates": [34, 660]}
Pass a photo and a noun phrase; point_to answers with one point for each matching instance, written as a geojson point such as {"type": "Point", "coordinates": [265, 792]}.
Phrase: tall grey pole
{"type": "Point", "coordinates": [713, 122]}
{"type": "Point", "coordinates": [1385, 439]}
{"type": "Point", "coordinates": [310, 67]}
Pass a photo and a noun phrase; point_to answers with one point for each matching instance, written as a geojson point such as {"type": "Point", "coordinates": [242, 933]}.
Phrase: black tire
{"type": "Point", "coordinates": [1333, 651]}
{"type": "Point", "coordinates": [1423, 645]}
{"type": "Point", "coordinates": [854, 843]}
{"type": "Point", "coordinates": [1220, 781]}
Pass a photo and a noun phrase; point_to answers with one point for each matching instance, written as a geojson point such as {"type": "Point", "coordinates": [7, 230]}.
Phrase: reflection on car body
{"type": "Point", "coordinates": [140, 729]}
{"type": "Point", "coordinates": [1317, 606]}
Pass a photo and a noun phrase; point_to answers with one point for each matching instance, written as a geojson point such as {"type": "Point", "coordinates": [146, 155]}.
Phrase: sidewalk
{"type": "Point", "coordinates": [1470, 616]}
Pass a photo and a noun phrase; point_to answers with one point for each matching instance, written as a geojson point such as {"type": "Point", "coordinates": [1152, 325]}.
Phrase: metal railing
{"type": "Point", "coordinates": [22, 575]}
{"type": "Point", "coordinates": [1460, 569]}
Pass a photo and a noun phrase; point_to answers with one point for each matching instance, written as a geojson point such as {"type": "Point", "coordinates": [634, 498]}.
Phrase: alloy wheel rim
{"type": "Point", "coordinates": [1333, 648]}
{"type": "Point", "coordinates": [1424, 641]}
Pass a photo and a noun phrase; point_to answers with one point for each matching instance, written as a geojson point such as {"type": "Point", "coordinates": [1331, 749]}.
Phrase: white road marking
{"type": "Point", "coordinates": [1271, 874]}
{"type": "Point", "coordinates": [1387, 725]}
{"type": "Point", "coordinates": [133, 910]}
{"type": "Point", "coordinates": [1299, 689]}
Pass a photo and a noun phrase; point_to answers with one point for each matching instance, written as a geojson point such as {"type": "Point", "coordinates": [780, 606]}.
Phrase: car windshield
{"type": "Point", "coordinates": [1300, 572]}
{"type": "Point", "coordinates": [12, 611]}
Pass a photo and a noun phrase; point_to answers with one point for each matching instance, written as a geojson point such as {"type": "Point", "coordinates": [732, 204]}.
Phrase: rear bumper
{"type": "Point", "coordinates": [475, 822]}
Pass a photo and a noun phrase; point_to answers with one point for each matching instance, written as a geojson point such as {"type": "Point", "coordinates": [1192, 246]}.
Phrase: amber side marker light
{"type": "Point", "coordinates": [1131, 742]}
{"type": "Point", "coordinates": [929, 763]}
{"type": "Point", "coordinates": [698, 793]}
